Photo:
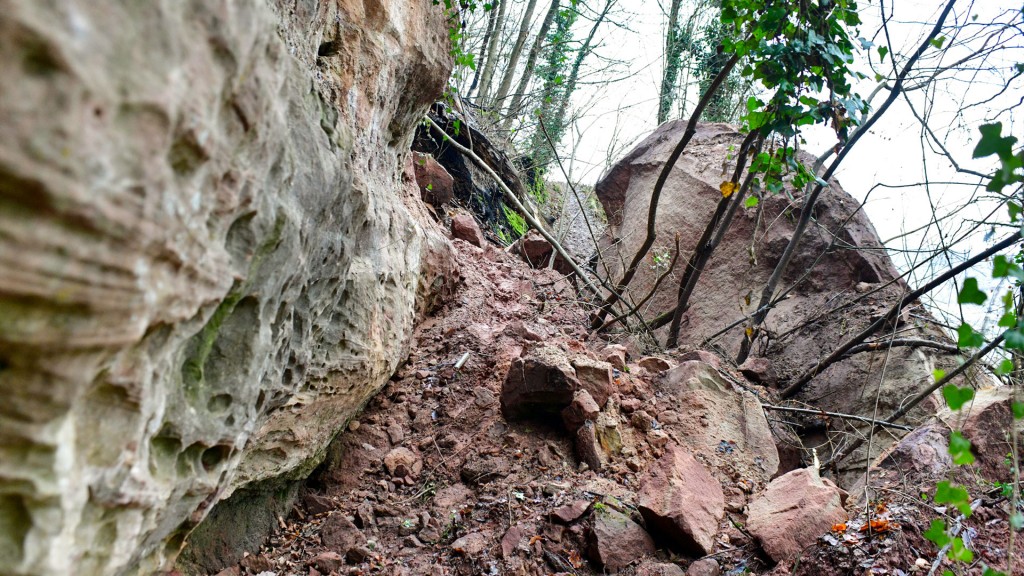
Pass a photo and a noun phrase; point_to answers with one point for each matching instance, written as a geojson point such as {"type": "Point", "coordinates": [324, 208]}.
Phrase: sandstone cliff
{"type": "Point", "coordinates": [208, 261]}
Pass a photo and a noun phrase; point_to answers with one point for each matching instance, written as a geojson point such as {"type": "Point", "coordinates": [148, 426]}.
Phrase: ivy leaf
{"type": "Point", "coordinates": [969, 293]}
{"type": "Point", "coordinates": [1018, 410]}
{"type": "Point", "coordinates": [960, 553]}
{"type": "Point", "coordinates": [1008, 320]}
{"type": "Point", "coordinates": [1004, 368]}
{"type": "Point", "coordinates": [1002, 267]}
{"type": "Point", "coordinates": [992, 572]}
{"type": "Point", "coordinates": [1014, 339]}
{"type": "Point", "coordinates": [938, 374]}
{"type": "Point", "coordinates": [882, 51]}
{"type": "Point", "coordinates": [937, 533]}
{"type": "Point", "coordinates": [956, 397]}
{"type": "Point", "coordinates": [992, 142]}
{"type": "Point", "coordinates": [938, 42]}
{"type": "Point", "coordinates": [968, 338]}
{"type": "Point", "coordinates": [960, 450]}
{"type": "Point", "coordinates": [751, 202]}
{"type": "Point", "coordinates": [1014, 209]}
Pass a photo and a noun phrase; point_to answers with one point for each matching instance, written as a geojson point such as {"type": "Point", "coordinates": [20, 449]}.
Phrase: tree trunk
{"type": "Point", "coordinates": [513, 60]}
{"type": "Point", "coordinates": [492, 55]}
{"type": "Point", "coordinates": [673, 57]}
{"type": "Point", "coordinates": [531, 62]}
{"type": "Point", "coordinates": [483, 51]}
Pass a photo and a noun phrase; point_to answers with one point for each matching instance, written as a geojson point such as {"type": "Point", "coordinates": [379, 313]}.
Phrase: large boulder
{"type": "Point", "coordinates": [681, 503]}
{"type": "Point", "coordinates": [210, 257]}
{"type": "Point", "coordinates": [840, 264]}
{"type": "Point", "coordinates": [616, 541]}
{"type": "Point", "coordinates": [794, 511]}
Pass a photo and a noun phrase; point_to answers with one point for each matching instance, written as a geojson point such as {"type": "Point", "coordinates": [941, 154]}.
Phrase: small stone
{"type": "Point", "coordinates": [353, 425]}
{"type": "Point", "coordinates": [650, 568]}
{"type": "Point", "coordinates": [470, 544]}
{"type": "Point", "coordinates": [616, 541]}
{"type": "Point", "coordinates": [464, 227]}
{"type": "Point", "coordinates": [704, 567]}
{"type": "Point", "coordinates": [358, 554]}
{"type": "Point", "coordinates": [402, 463]}
{"type": "Point", "coordinates": [534, 249]}
{"type": "Point", "coordinates": [570, 512]}
{"type": "Point", "coordinates": [654, 364]}
{"type": "Point", "coordinates": [582, 408]}
{"type": "Point", "coordinates": [327, 562]}
{"type": "Point", "coordinates": [588, 448]}
{"type": "Point", "coordinates": [340, 535]}
{"type": "Point", "coordinates": [615, 355]}
{"type": "Point", "coordinates": [595, 377]}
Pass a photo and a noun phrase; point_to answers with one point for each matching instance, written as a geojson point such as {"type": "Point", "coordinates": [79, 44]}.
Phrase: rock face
{"type": "Point", "coordinates": [616, 541]}
{"type": "Point", "coordinates": [210, 255]}
{"type": "Point", "coordinates": [799, 331]}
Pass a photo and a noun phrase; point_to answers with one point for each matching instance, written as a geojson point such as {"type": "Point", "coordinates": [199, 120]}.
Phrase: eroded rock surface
{"type": "Point", "coordinates": [794, 511]}
{"type": "Point", "coordinates": [210, 256]}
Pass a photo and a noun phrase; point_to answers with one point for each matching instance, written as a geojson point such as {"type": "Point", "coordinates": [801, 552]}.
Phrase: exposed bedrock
{"type": "Point", "coordinates": [211, 254]}
{"type": "Point", "coordinates": [844, 280]}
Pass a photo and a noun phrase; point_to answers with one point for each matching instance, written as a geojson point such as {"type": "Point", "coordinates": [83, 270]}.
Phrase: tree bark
{"type": "Point", "coordinates": [483, 51]}
{"type": "Point", "coordinates": [673, 56]}
{"type": "Point", "coordinates": [492, 55]}
{"type": "Point", "coordinates": [531, 63]}
{"type": "Point", "coordinates": [513, 60]}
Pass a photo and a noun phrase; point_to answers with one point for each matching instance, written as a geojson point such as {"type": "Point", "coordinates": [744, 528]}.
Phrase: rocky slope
{"type": "Point", "coordinates": [209, 259]}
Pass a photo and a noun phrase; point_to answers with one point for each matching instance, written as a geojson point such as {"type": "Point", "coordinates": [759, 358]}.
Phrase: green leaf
{"type": "Point", "coordinates": [1018, 409]}
{"type": "Point", "coordinates": [751, 202]}
{"type": "Point", "coordinates": [969, 293]}
{"type": "Point", "coordinates": [956, 397]}
{"type": "Point", "coordinates": [960, 553]}
{"type": "Point", "coordinates": [960, 450]}
{"type": "Point", "coordinates": [992, 142]}
{"type": "Point", "coordinates": [1014, 209]}
{"type": "Point", "coordinates": [992, 572]}
{"type": "Point", "coordinates": [1017, 520]}
{"type": "Point", "coordinates": [937, 533]}
{"type": "Point", "coordinates": [938, 42]}
{"type": "Point", "coordinates": [938, 374]}
{"type": "Point", "coordinates": [1004, 368]}
{"type": "Point", "coordinates": [882, 51]}
{"type": "Point", "coordinates": [1008, 320]}
{"type": "Point", "coordinates": [1014, 339]}
{"type": "Point", "coordinates": [968, 338]}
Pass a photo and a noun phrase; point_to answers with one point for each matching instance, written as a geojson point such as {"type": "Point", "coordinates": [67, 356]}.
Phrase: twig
{"type": "Point", "coordinates": [837, 415]}
{"type": "Point", "coordinates": [841, 351]}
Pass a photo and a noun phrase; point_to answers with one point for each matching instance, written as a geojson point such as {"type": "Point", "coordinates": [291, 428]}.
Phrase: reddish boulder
{"type": "Point", "coordinates": [339, 534]}
{"type": "Point", "coordinates": [793, 512]}
{"type": "Point", "coordinates": [704, 567]}
{"type": "Point", "coordinates": [616, 541]}
{"type": "Point", "coordinates": [541, 383]}
{"type": "Point", "coordinates": [651, 568]}
{"type": "Point", "coordinates": [615, 354]}
{"type": "Point", "coordinates": [403, 463]}
{"type": "Point", "coordinates": [595, 377]}
{"type": "Point", "coordinates": [759, 371]}
{"type": "Point", "coordinates": [653, 364]}
{"type": "Point", "coordinates": [681, 502]}
{"type": "Point", "coordinates": [582, 408]}
{"type": "Point", "coordinates": [534, 249]}
{"type": "Point", "coordinates": [464, 227]}
{"type": "Point", "coordinates": [435, 183]}
{"type": "Point", "coordinates": [986, 422]}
